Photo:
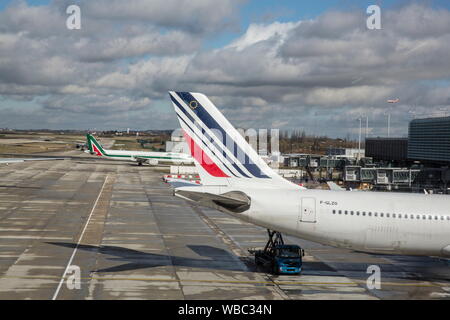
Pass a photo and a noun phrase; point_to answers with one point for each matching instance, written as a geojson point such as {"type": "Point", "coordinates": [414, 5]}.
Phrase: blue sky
{"type": "Point", "coordinates": [5, 3]}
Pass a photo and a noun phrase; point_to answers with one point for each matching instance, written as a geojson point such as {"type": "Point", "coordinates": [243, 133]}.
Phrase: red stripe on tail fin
{"type": "Point", "coordinates": [97, 152]}
{"type": "Point", "coordinates": [203, 159]}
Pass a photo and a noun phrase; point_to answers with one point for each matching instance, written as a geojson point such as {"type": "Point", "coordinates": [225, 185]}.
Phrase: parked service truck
{"type": "Point", "coordinates": [280, 258]}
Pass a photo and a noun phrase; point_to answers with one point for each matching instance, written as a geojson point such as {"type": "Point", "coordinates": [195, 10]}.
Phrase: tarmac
{"type": "Point", "coordinates": [118, 228]}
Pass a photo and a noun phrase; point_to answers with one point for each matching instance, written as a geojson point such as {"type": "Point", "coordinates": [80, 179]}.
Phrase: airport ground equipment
{"type": "Point", "coordinates": [281, 258]}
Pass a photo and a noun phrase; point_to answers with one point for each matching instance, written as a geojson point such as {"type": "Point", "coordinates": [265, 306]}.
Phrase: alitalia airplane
{"type": "Point", "coordinates": [152, 158]}
{"type": "Point", "coordinates": [236, 181]}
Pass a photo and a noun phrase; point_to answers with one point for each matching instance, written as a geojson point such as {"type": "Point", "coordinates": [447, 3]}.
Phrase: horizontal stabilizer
{"type": "Point", "coordinates": [176, 183]}
{"type": "Point", "coordinates": [233, 201]}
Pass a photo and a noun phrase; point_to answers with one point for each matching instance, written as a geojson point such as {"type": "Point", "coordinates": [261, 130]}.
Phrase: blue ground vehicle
{"type": "Point", "coordinates": [279, 257]}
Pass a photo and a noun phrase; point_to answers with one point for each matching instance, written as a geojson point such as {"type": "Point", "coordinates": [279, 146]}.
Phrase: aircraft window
{"type": "Point", "coordinates": [340, 211]}
{"type": "Point", "coordinates": [430, 217]}
{"type": "Point", "coordinates": [424, 217]}
{"type": "Point", "coordinates": [375, 214]}
{"type": "Point", "coordinates": [399, 215]}
{"type": "Point", "coordinates": [442, 217]}
{"type": "Point", "coordinates": [346, 212]}
{"type": "Point", "coordinates": [351, 212]}
{"type": "Point", "coordinates": [412, 216]}
{"type": "Point", "coordinates": [448, 217]}
{"type": "Point", "coordinates": [364, 213]}
{"type": "Point", "coordinates": [418, 216]}
{"type": "Point", "coordinates": [334, 211]}
{"type": "Point", "coordinates": [393, 215]}
{"type": "Point", "coordinates": [436, 218]}
{"type": "Point", "coordinates": [387, 215]}
{"type": "Point", "coordinates": [370, 214]}
{"type": "Point", "coordinates": [357, 213]}
{"type": "Point", "coordinates": [381, 214]}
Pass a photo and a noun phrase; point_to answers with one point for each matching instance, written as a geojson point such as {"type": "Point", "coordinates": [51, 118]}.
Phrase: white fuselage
{"type": "Point", "coordinates": [157, 157]}
{"type": "Point", "coordinates": [396, 223]}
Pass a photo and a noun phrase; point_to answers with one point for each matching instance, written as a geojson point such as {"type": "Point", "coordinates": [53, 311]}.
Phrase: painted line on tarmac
{"type": "Point", "coordinates": [79, 241]}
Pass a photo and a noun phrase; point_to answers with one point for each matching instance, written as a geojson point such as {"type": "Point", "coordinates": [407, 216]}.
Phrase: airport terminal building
{"type": "Point", "coordinates": [387, 149]}
{"type": "Point", "coordinates": [429, 140]}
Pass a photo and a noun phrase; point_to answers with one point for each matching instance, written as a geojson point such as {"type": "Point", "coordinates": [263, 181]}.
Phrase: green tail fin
{"type": "Point", "coordinates": [94, 145]}
{"type": "Point", "coordinates": [89, 143]}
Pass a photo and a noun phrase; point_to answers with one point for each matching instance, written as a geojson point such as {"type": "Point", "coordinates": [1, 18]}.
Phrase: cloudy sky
{"type": "Point", "coordinates": [310, 65]}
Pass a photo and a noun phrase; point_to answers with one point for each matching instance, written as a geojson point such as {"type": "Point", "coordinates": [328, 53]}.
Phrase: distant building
{"type": "Point", "coordinates": [276, 157]}
{"type": "Point", "coordinates": [177, 143]}
{"type": "Point", "coordinates": [315, 161]}
{"type": "Point", "coordinates": [433, 179]}
{"type": "Point", "coordinates": [177, 146]}
{"type": "Point", "coordinates": [429, 140]}
{"type": "Point", "coordinates": [346, 152]}
{"type": "Point", "coordinates": [380, 176]}
{"type": "Point", "coordinates": [387, 149]}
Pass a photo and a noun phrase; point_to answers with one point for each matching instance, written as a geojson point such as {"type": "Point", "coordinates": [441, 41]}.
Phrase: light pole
{"type": "Point", "coordinates": [367, 126]}
{"type": "Point", "coordinates": [389, 125]}
{"type": "Point", "coordinates": [359, 140]}
{"type": "Point", "coordinates": [389, 115]}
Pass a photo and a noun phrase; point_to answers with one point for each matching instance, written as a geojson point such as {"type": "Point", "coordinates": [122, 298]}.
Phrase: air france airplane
{"type": "Point", "coordinates": [236, 181]}
{"type": "Point", "coordinates": [152, 158]}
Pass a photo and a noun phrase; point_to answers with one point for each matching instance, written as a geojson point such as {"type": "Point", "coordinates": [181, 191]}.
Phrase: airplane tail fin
{"type": "Point", "coordinates": [222, 156]}
{"type": "Point", "coordinates": [94, 146]}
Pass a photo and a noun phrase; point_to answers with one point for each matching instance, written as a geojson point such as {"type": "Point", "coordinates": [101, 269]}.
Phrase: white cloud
{"type": "Point", "coordinates": [332, 97]}
{"type": "Point", "coordinates": [261, 32]}
{"type": "Point", "coordinates": [130, 53]}
{"type": "Point", "coordinates": [199, 16]}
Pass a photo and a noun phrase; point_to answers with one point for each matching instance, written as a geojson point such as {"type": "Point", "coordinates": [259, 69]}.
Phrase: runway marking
{"type": "Point", "coordinates": [34, 237]}
{"type": "Point", "coordinates": [79, 240]}
{"type": "Point", "coordinates": [271, 283]}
